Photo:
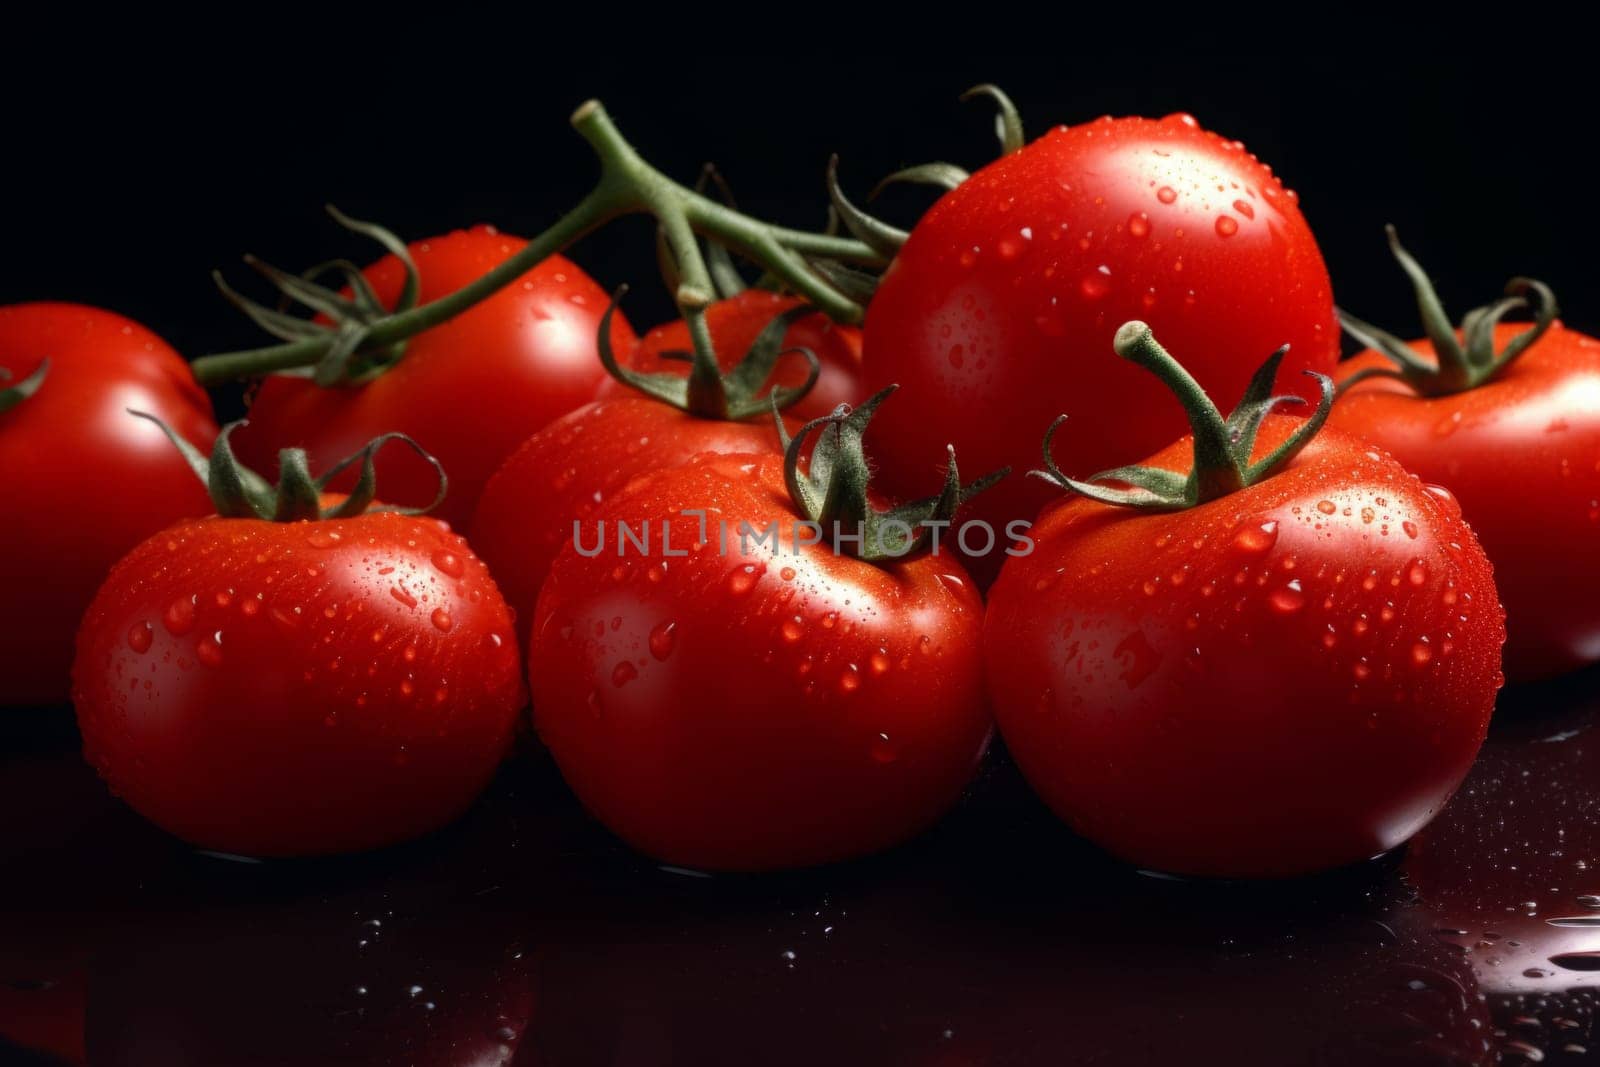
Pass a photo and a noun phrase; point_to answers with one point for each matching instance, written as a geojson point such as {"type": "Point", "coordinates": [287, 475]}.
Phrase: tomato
{"type": "Point", "coordinates": [736, 322]}
{"type": "Point", "coordinates": [772, 706]}
{"type": "Point", "coordinates": [1000, 305]}
{"type": "Point", "coordinates": [294, 688]}
{"type": "Point", "coordinates": [568, 471]}
{"type": "Point", "coordinates": [472, 389]}
{"type": "Point", "coordinates": [83, 482]}
{"type": "Point", "coordinates": [1282, 679]}
{"type": "Point", "coordinates": [1521, 452]}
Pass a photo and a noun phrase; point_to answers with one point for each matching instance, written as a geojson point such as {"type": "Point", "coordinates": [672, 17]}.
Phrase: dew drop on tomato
{"type": "Point", "coordinates": [663, 638]}
{"type": "Point", "coordinates": [140, 634]}
{"type": "Point", "coordinates": [179, 616]}
{"type": "Point", "coordinates": [1287, 600]}
{"type": "Point", "coordinates": [1257, 538]}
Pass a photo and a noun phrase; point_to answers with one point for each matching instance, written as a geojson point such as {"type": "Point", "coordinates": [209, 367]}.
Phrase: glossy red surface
{"type": "Point", "coordinates": [531, 936]}
{"type": "Point", "coordinates": [1522, 455]}
{"type": "Point", "coordinates": [470, 390]}
{"type": "Point", "coordinates": [282, 689]}
{"type": "Point", "coordinates": [82, 480]}
{"type": "Point", "coordinates": [757, 708]}
{"type": "Point", "coordinates": [1288, 678]}
{"type": "Point", "coordinates": [568, 471]}
{"type": "Point", "coordinates": [1000, 309]}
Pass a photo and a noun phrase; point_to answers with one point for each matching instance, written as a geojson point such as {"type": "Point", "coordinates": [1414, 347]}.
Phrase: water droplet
{"type": "Point", "coordinates": [957, 356]}
{"type": "Point", "coordinates": [1289, 599]}
{"type": "Point", "coordinates": [662, 640]}
{"type": "Point", "coordinates": [1243, 207]}
{"type": "Point", "coordinates": [1410, 528]}
{"type": "Point", "coordinates": [179, 616]}
{"type": "Point", "coordinates": [1139, 224]}
{"type": "Point", "coordinates": [743, 579]}
{"type": "Point", "coordinates": [1227, 226]}
{"type": "Point", "coordinates": [209, 650]}
{"type": "Point", "coordinates": [399, 593]}
{"type": "Point", "coordinates": [1166, 194]}
{"type": "Point", "coordinates": [1256, 538]}
{"type": "Point", "coordinates": [1327, 507]}
{"type": "Point", "coordinates": [793, 629]}
{"type": "Point", "coordinates": [1361, 670]}
{"type": "Point", "coordinates": [448, 563]}
{"type": "Point", "coordinates": [787, 574]}
{"type": "Point", "coordinates": [624, 673]}
{"type": "Point", "coordinates": [850, 679]}
{"type": "Point", "coordinates": [1417, 573]}
{"type": "Point", "coordinates": [883, 750]}
{"type": "Point", "coordinates": [968, 256]}
{"type": "Point", "coordinates": [1094, 286]}
{"type": "Point", "coordinates": [322, 537]}
{"type": "Point", "coordinates": [140, 634]}
{"type": "Point", "coordinates": [1421, 653]}
{"type": "Point", "coordinates": [880, 661]}
{"type": "Point", "coordinates": [442, 620]}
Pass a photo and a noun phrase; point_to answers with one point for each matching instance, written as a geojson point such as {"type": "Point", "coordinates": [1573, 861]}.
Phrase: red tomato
{"type": "Point", "coordinates": [471, 389]}
{"type": "Point", "coordinates": [569, 470]}
{"type": "Point", "coordinates": [759, 709]}
{"type": "Point", "coordinates": [999, 308]}
{"type": "Point", "coordinates": [1288, 678]}
{"type": "Point", "coordinates": [1521, 452]}
{"type": "Point", "coordinates": [734, 324]}
{"type": "Point", "coordinates": [83, 482]}
{"type": "Point", "coordinates": [278, 689]}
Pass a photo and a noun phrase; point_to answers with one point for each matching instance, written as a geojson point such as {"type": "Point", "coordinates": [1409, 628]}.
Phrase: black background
{"type": "Point", "coordinates": [135, 168]}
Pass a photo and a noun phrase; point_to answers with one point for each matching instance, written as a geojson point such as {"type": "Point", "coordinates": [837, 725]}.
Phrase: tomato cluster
{"type": "Point", "coordinates": [1270, 648]}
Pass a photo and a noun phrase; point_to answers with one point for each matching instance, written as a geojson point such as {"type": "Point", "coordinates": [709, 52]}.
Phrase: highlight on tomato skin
{"type": "Point", "coordinates": [757, 710]}
{"type": "Point", "coordinates": [70, 371]}
{"type": "Point", "coordinates": [1283, 680]}
{"type": "Point", "coordinates": [1002, 302]}
{"type": "Point", "coordinates": [472, 388]}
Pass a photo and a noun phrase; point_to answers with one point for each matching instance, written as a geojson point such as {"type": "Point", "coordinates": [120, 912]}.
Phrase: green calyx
{"type": "Point", "coordinates": [240, 493]}
{"type": "Point", "coordinates": [797, 260]}
{"type": "Point", "coordinates": [1463, 362]}
{"type": "Point", "coordinates": [1222, 447]}
{"type": "Point", "coordinates": [12, 395]}
{"type": "Point", "coordinates": [348, 358]}
{"type": "Point", "coordinates": [706, 391]}
{"type": "Point", "coordinates": [832, 492]}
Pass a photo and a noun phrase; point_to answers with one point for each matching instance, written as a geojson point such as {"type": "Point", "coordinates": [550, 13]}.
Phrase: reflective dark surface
{"type": "Point", "coordinates": [526, 935]}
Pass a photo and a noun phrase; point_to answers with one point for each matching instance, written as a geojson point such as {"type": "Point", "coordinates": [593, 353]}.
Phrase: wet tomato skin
{"type": "Point", "coordinates": [1284, 680]}
{"type": "Point", "coordinates": [276, 689]}
{"type": "Point", "coordinates": [1000, 309]}
{"type": "Point", "coordinates": [469, 390]}
{"type": "Point", "coordinates": [83, 481]}
{"type": "Point", "coordinates": [735, 323]}
{"type": "Point", "coordinates": [1522, 455]}
{"type": "Point", "coordinates": [569, 470]}
{"type": "Point", "coordinates": [756, 710]}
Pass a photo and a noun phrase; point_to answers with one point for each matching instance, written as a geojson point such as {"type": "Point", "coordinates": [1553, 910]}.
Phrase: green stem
{"type": "Point", "coordinates": [627, 185]}
{"type": "Point", "coordinates": [1215, 473]}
